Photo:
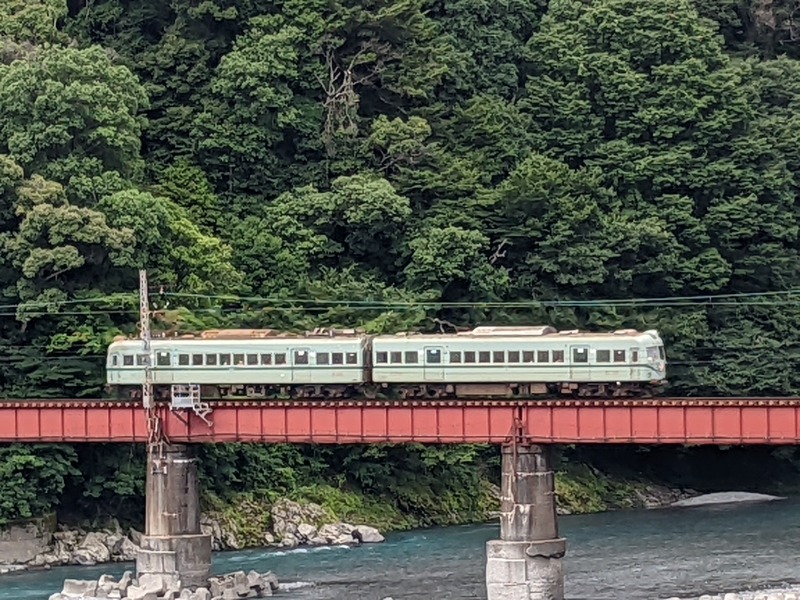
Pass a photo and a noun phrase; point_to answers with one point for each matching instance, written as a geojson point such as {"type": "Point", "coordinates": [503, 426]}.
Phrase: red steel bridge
{"type": "Point", "coordinates": [713, 421]}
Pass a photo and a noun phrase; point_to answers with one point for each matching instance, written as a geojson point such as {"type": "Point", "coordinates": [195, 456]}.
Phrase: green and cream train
{"type": "Point", "coordinates": [486, 362]}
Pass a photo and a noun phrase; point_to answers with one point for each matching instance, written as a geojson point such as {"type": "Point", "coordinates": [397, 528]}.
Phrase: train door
{"type": "Point", "coordinates": [434, 366]}
{"type": "Point", "coordinates": [580, 370]}
{"type": "Point", "coordinates": [633, 360]}
{"type": "Point", "coordinates": [301, 365]}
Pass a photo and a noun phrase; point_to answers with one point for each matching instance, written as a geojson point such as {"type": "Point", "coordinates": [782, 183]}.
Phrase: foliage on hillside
{"type": "Point", "coordinates": [269, 162]}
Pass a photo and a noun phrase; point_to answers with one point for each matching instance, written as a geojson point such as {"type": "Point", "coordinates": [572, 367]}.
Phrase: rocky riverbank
{"type": "Point", "coordinates": [284, 524]}
{"type": "Point", "coordinates": [287, 524]}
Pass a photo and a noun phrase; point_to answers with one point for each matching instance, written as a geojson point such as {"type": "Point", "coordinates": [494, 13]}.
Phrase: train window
{"type": "Point", "coordinates": [352, 358]}
{"type": "Point", "coordinates": [323, 358]}
{"type": "Point", "coordinates": [197, 360]}
{"type": "Point", "coordinates": [238, 360]}
{"type": "Point", "coordinates": [543, 356]}
{"type": "Point", "coordinates": [142, 359]}
{"type": "Point", "coordinates": [499, 356]}
{"type": "Point", "coordinates": [558, 356]}
{"type": "Point", "coordinates": [211, 359]}
{"type": "Point", "coordinates": [603, 356]}
{"type": "Point", "coordinates": [513, 356]}
{"type": "Point", "coordinates": [280, 358]}
{"type": "Point", "coordinates": [433, 355]}
{"type": "Point", "coordinates": [183, 360]}
{"type": "Point", "coordinates": [266, 359]}
{"type": "Point", "coordinates": [527, 356]}
{"type": "Point", "coordinates": [252, 359]}
{"type": "Point", "coordinates": [580, 355]}
{"type": "Point", "coordinates": [396, 358]}
{"type": "Point", "coordinates": [114, 360]}
{"type": "Point", "coordinates": [225, 360]}
{"type": "Point", "coordinates": [469, 356]}
{"type": "Point", "coordinates": [483, 356]}
{"type": "Point", "coordinates": [127, 360]}
{"type": "Point", "coordinates": [381, 358]}
{"type": "Point", "coordinates": [455, 357]}
{"type": "Point", "coordinates": [661, 353]}
{"type": "Point", "coordinates": [300, 357]}
{"type": "Point", "coordinates": [412, 357]}
{"type": "Point", "coordinates": [337, 358]}
{"type": "Point", "coordinates": [619, 356]}
{"type": "Point", "coordinates": [163, 359]}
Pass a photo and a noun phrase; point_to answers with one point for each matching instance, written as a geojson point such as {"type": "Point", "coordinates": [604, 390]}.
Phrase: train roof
{"type": "Point", "coordinates": [510, 334]}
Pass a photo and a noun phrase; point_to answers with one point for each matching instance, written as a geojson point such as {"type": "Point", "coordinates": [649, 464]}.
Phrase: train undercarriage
{"type": "Point", "coordinates": [424, 391]}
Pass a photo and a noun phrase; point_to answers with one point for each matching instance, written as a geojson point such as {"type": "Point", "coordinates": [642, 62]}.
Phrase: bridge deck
{"type": "Point", "coordinates": [711, 421]}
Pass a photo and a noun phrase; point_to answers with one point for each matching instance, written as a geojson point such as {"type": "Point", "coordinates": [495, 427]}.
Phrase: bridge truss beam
{"type": "Point", "coordinates": [664, 421]}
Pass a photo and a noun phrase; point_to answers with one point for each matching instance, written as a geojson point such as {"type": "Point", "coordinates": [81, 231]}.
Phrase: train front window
{"type": "Point", "coordinates": [661, 353]}
{"type": "Point", "coordinates": [127, 360]}
{"type": "Point", "coordinates": [114, 360]}
{"type": "Point", "coordinates": [652, 353]}
{"type": "Point", "coordinates": [619, 356]}
{"type": "Point", "coordinates": [163, 359]}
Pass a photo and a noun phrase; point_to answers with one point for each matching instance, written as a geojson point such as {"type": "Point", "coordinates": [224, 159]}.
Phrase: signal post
{"type": "Point", "coordinates": [525, 563]}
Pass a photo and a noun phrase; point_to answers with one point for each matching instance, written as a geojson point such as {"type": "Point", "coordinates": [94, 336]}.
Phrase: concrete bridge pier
{"type": "Point", "coordinates": [525, 563]}
{"type": "Point", "coordinates": [173, 546]}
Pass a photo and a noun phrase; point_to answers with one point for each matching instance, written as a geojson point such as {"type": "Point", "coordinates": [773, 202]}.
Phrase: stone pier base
{"type": "Point", "coordinates": [181, 561]}
{"type": "Point", "coordinates": [525, 571]}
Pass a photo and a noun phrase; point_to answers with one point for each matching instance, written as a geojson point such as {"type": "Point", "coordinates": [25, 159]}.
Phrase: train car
{"type": "Point", "coordinates": [244, 364]}
{"type": "Point", "coordinates": [521, 362]}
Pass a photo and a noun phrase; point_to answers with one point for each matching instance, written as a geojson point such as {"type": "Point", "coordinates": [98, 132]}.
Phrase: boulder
{"type": "Point", "coordinates": [203, 594]}
{"type": "Point", "coordinates": [92, 550]}
{"type": "Point", "coordinates": [338, 534]}
{"type": "Point", "coordinates": [79, 587]}
{"type": "Point", "coordinates": [305, 532]}
{"type": "Point", "coordinates": [138, 593]}
{"type": "Point", "coordinates": [367, 535]}
{"type": "Point", "coordinates": [125, 582]}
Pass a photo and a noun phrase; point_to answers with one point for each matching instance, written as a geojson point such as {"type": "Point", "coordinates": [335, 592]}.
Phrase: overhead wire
{"type": "Point", "coordinates": [739, 298]}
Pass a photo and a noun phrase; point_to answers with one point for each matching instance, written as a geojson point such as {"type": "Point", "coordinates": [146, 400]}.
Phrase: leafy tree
{"type": "Point", "coordinates": [71, 113]}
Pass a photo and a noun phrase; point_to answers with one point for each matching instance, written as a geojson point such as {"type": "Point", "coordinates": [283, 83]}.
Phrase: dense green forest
{"type": "Point", "coordinates": [392, 165]}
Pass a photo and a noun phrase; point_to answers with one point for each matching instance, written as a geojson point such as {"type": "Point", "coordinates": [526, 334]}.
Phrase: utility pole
{"type": "Point", "coordinates": [144, 332]}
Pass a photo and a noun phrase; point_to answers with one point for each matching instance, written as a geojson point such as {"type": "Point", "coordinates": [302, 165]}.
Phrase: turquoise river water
{"type": "Point", "coordinates": [638, 555]}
